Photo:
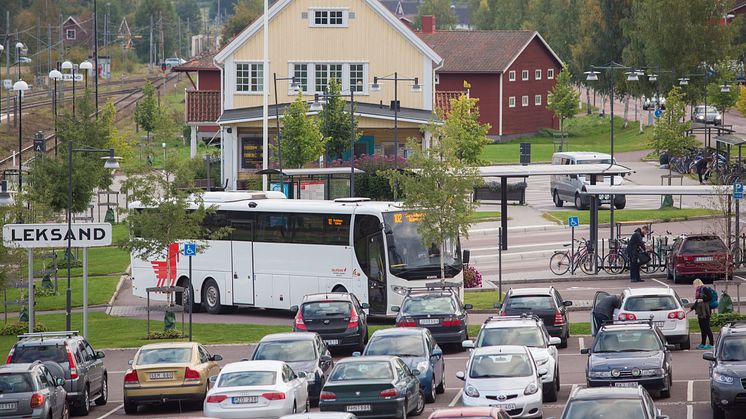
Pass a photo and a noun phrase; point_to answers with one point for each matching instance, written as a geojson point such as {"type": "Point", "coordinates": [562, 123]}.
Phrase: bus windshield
{"type": "Point", "coordinates": [409, 258]}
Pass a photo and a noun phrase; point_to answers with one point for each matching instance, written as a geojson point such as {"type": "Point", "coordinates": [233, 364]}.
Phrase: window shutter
{"type": "Point", "coordinates": [351, 15]}
{"type": "Point", "coordinates": [304, 15]}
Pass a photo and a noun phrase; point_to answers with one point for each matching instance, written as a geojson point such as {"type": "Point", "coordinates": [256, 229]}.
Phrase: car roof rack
{"type": "Point", "coordinates": [42, 335]}
{"type": "Point", "coordinates": [736, 323]}
{"type": "Point", "coordinates": [649, 322]}
{"type": "Point", "coordinates": [523, 316]}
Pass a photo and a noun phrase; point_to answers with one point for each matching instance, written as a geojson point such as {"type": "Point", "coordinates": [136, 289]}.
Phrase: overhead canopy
{"type": "Point", "coordinates": [516, 170]}
{"type": "Point", "coordinates": [657, 190]}
{"type": "Point", "coordinates": [320, 171]}
{"type": "Point", "coordinates": [731, 139]}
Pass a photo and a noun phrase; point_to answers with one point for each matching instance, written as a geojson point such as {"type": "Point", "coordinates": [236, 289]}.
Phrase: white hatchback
{"type": "Point", "coordinates": [504, 377]}
{"type": "Point", "coordinates": [258, 390]}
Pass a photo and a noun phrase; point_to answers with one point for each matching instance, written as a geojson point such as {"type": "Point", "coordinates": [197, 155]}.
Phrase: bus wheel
{"type": "Point", "coordinates": [183, 297]}
{"type": "Point", "coordinates": [211, 297]}
{"type": "Point", "coordinates": [339, 288]}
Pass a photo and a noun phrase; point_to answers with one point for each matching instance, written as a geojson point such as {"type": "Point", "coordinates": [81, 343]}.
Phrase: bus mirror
{"type": "Point", "coordinates": [466, 257]}
{"type": "Point", "coordinates": [294, 309]}
{"type": "Point", "coordinates": [387, 229]}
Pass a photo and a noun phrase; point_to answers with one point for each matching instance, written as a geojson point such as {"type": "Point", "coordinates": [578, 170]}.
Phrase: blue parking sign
{"type": "Point", "coordinates": [658, 113]}
{"type": "Point", "coordinates": [190, 249]}
{"type": "Point", "coordinates": [573, 221]}
{"type": "Point", "coordinates": [738, 191]}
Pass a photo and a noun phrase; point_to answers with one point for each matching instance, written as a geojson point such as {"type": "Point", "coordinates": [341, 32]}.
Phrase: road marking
{"type": "Point", "coordinates": [455, 399]}
{"type": "Point", "coordinates": [581, 342]}
{"type": "Point", "coordinates": [459, 357]}
{"type": "Point", "coordinates": [740, 277]}
{"type": "Point", "coordinates": [111, 412]}
{"type": "Point", "coordinates": [689, 398]}
{"type": "Point", "coordinates": [660, 282]}
{"type": "Point", "coordinates": [116, 372]}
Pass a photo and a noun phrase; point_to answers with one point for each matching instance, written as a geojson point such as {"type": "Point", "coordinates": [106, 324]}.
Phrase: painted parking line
{"type": "Point", "coordinates": [111, 412]}
{"type": "Point", "coordinates": [660, 282]}
{"type": "Point", "coordinates": [690, 398]}
{"type": "Point", "coordinates": [456, 399]}
{"type": "Point", "coordinates": [581, 343]}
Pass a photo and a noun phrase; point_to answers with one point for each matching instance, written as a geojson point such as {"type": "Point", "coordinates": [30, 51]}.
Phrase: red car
{"type": "Point", "coordinates": [698, 256]}
{"type": "Point", "coordinates": [470, 413]}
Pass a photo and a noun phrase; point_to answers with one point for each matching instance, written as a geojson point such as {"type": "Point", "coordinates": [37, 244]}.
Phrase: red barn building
{"type": "Point", "coordinates": [202, 100]}
{"type": "Point", "coordinates": [511, 72]}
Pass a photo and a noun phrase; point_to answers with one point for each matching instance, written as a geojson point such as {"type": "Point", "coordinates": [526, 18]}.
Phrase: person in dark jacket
{"type": "Point", "coordinates": [701, 167]}
{"type": "Point", "coordinates": [634, 247]}
{"type": "Point", "coordinates": [702, 308]}
{"type": "Point", "coordinates": [603, 310]}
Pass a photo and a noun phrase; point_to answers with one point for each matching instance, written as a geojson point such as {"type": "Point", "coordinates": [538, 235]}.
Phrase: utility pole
{"type": "Point", "coordinates": [150, 54]}
{"type": "Point", "coordinates": [163, 44]}
{"type": "Point", "coordinates": [60, 59]}
{"type": "Point", "coordinates": [95, 52]}
{"type": "Point", "coordinates": [38, 47]}
{"type": "Point", "coordinates": [7, 68]}
{"type": "Point", "coordinates": [178, 49]}
{"type": "Point", "coordinates": [49, 56]}
{"type": "Point", "coordinates": [189, 37]}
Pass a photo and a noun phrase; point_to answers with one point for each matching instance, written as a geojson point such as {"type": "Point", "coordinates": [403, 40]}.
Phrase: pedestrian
{"type": "Point", "coordinates": [634, 247]}
{"type": "Point", "coordinates": [702, 307]}
{"type": "Point", "coordinates": [603, 310]}
{"type": "Point", "coordinates": [701, 166]}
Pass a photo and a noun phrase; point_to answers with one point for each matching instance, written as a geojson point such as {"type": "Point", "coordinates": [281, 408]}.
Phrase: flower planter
{"type": "Point", "coordinates": [491, 191]}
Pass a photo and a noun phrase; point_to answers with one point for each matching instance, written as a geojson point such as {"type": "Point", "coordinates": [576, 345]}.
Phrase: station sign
{"type": "Point", "coordinates": [56, 235]}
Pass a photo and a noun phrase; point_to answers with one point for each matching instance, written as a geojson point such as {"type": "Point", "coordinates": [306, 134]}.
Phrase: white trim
{"type": "Point", "coordinates": [550, 74]}
{"type": "Point", "coordinates": [428, 90]}
{"type": "Point", "coordinates": [511, 98]}
{"type": "Point", "coordinates": [500, 128]}
{"type": "Point", "coordinates": [536, 34]}
{"type": "Point", "coordinates": [229, 79]}
{"type": "Point", "coordinates": [357, 114]}
{"type": "Point", "coordinates": [524, 101]}
{"type": "Point", "coordinates": [537, 102]}
{"type": "Point", "coordinates": [511, 75]}
{"type": "Point", "coordinates": [525, 75]}
{"type": "Point", "coordinates": [75, 34]}
{"type": "Point", "coordinates": [537, 74]}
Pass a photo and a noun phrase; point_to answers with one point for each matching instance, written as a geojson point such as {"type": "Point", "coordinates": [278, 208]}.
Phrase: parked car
{"type": "Point", "coordinates": [440, 311]}
{"type": "Point", "coordinates": [698, 256]}
{"type": "Point", "coordinates": [628, 355]}
{"type": "Point", "coordinates": [338, 317]}
{"type": "Point", "coordinates": [529, 331]}
{"type": "Point", "coordinates": [32, 391]}
{"type": "Point", "coordinates": [653, 102]}
{"type": "Point", "coordinates": [23, 60]}
{"type": "Point", "coordinates": [175, 371]}
{"type": "Point", "coordinates": [86, 378]}
{"type": "Point", "coordinates": [570, 187]}
{"type": "Point", "coordinates": [173, 62]}
{"type": "Point", "coordinates": [373, 386]}
{"type": "Point", "coordinates": [470, 413]}
{"type": "Point", "coordinates": [416, 347]}
{"type": "Point", "coordinates": [504, 377]}
{"type": "Point", "coordinates": [602, 402]}
{"type": "Point", "coordinates": [728, 370]}
{"type": "Point", "coordinates": [661, 305]}
{"type": "Point", "coordinates": [547, 303]}
{"type": "Point", "coordinates": [707, 115]}
{"type": "Point", "coordinates": [303, 351]}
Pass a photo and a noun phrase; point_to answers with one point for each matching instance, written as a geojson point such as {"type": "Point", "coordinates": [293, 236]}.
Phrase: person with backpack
{"type": "Point", "coordinates": [703, 301]}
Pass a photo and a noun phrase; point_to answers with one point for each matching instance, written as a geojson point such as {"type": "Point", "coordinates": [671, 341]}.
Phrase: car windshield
{"type": "Point", "coordinates": [594, 161]}
{"type": "Point", "coordinates": [31, 353]}
{"type": "Point", "coordinates": [442, 304]}
{"type": "Point", "coordinates": [702, 245]}
{"type": "Point", "coordinates": [522, 336]}
{"type": "Point", "coordinates": [733, 349]}
{"type": "Point", "coordinates": [500, 366]}
{"type": "Point", "coordinates": [15, 383]}
{"type": "Point", "coordinates": [530, 302]}
{"type": "Point", "coordinates": [408, 257]}
{"type": "Point", "coordinates": [327, 309]}
{"type": "Point", "coordinates": [164, 356]}
{"type": "Point", "coordinates": [626, 341]}
{"type": "Point", "coordinates": [399, 345]}
{"type": "Point", "coordinates": [604, 408]}
{"type": "Point", "coordinates": [247, 378]}
{"type": "Point", "coordinates": [701, 109]}
{"type": "Point", "coordinates": [288, 351]}
{"type": "Point", "coordinates": [373, 370]}
{"type": "Point", "coordinates": [650, 303]}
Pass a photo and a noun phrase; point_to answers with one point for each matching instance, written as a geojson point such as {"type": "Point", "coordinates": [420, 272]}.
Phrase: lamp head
{"type": "Point", "coordinates": [416, 87]}
{"type": "Point", "coordinates": [683, 81]}
{"type": "Point", "coordinates": [20, 86]}
{"type": "Point", "coordinates": [375, 87]}
{"type": "Point", "coordinates": [55, 75]}
{"type": "Point", "coordinates": [652, 77]}
{"type": "Point", "coordinates": [725, 88]}
{"type": "Point", "coordinates": [591, 75]}
{"type": "Point", "coordinates": [86, 65]}
{"type": "Point", "coordinates": [294, 85]}
{"type": "Point", "coordinates": [19, 45]}
{"type": "Point", "coordinates": [632, 76]}
{"type": "Point", "coordinates": [67, 65]}
{"type": "Point", "coordinates": [316, 105]}
{"type": "Point", "coordinates": [111, 162]}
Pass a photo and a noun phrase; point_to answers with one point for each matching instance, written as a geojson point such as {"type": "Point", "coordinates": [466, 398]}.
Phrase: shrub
{"type": "Point", "coordinates": [166, 334]}
{"type": "Point", "coordinates": [373, 183]}
{"type": "Point", "coordinates": [720, 319]}
{"type": "Point", "coordinates": [472, 277]}
{"type": "Point", "coordinates": [19, 328]}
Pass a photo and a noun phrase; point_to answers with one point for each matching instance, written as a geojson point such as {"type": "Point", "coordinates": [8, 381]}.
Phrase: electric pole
{"type": "Point", "coordinates": [150, 55]}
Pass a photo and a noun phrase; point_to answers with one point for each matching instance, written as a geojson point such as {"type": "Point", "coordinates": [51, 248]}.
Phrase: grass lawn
{"type": "Point", "coordinates": [100, 290]}
{"type": "Point", "coordinates": [658, 215]}
{"type": "Point", "coordinates": [587, 133]}
{"type": "Point", "coordinates": [101, 261]}
{"type": "Point", "coordinates": [482, 216]}
{"type": "Point", "coordinates": [484, 300]}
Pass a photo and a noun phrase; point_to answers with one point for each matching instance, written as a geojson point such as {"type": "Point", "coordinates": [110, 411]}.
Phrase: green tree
{"type": "Point", "coordinates": [337, 125]}
{"type": "Point", "coordinates": [669, 134]}
{"type": "Point", "coordinates": [188, 11]}
{"type": "Point", "coordinates": [164, 15]}
{"type": "Point", "coordinates": [715, 96]}
{"type": "Point", "coordinates": [244, 12]}
{"type": "Point", "coordinates": [146, 112]}
{"type": "Point", "coordinates": [463, 128]}
{"type": "Point", "coordinates": [445, 17]}
{"type": "Point", "coordinates": [302, 140]}
{"type": "Point", "coordinates": [564, 98]}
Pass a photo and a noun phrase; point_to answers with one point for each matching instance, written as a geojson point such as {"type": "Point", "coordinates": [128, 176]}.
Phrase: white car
{"type": "Point", "coordinates": [662, 305]}
{"type": "Point", "coordinates": [526, 331]}
{"type": "Point", "coordinates": [504, 377]}
{"type": "Point", "coordinates": [257, 389]}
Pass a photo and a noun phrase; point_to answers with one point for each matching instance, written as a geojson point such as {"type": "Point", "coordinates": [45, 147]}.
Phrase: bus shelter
{"type": "Point", "coordinates": [322, 183]}
{"type": "Point", "coordinates": [728, 142]}
{"type": "Point", "coordinates": [707, 130]}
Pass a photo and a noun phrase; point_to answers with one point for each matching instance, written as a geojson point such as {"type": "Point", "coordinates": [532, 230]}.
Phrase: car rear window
{"type": "Point", "coordinates": [702, 245]}
{"type": "Point", "coordinates": [164, 356]}
{"type": "Point", "coordinates": [650, 303]}
{"type": "Point", "coordinates": [608, 408]}
{"type": "Point", "coordinates": [523, 336]}
{"type": "Point", "coordinates": [16, 383]}
{"type": "Point", "coordinates": [529, 302]}
{"type": "Point", "coordinates": [247, 378]}
{"type": "Point", "coordinates": [327, 308]}
{"type": "Point", "coordinates": [627, 341]}
{"type": "Point", "coordinates": [398, 345]}
{"type": "Point", "coordinates": [429, 305]}
{"type": "Point", "coordinates": [31, 353]}
{"type": "Point", "coordinates": [349, 371]}
{"type": "Point", "coordinates": [288, 351]}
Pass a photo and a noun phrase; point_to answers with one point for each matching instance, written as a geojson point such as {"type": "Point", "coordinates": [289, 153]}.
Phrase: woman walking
{"type": "Point", "coordinates": [702, 308]}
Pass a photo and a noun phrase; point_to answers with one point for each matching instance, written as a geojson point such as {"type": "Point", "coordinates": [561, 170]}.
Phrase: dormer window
{"type": "Point", "coordinates": [328, 18]}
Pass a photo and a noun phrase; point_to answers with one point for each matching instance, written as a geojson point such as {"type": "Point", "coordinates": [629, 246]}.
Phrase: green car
{"type": "Point", "coordinates": [373, 387]}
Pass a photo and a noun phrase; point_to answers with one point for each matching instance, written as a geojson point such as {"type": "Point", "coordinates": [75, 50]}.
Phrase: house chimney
{"type": "Point", "coordinates": [428, 24]}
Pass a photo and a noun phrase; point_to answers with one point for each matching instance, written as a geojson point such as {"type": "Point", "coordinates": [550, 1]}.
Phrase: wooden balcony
{"type": "Point", "coordinates": [202, 106]}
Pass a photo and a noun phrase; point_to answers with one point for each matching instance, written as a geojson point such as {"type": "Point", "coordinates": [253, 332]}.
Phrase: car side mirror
{"type": "Point", "coordinates": [216, 358]}
{"type": "Point", "coordinates": [365, 306]}
{"type": "Point", "coordinates": [437, 352]}
{"type": "Point", "coordinates": [325, 358]}
{"type": "Point", "coordinates": [467, 344]}
{"type": "Point", "coordinates": [213, 379]}
{"type": "Point", "coordinates": [685, 301]}
{"type": "Point", "coordinates": [555, 340]}
{"type": "Point", "coordinates": [356, 353]}
{"type": "Point", "coordinates": [670, 347]}
{"type": "Point", "coordinates": [415, 372]}
{"type": "Point", "coordinates": [60, 382]}
{"type": "Point", "coordinates": [244, 359]}
{"type": "Point", "coordinates": [585, 351]}
{"type": "Point", "coordinates": [294, 309]}
{"type": "Point", "coordinates": [130, 362]}
{"type": "Point", "coordinates": [708, 356]}
{"type": "Point", "coordinates": [543, 372]}
{"type": "Point", "coordinates": [395, 309]}
{"type": "Point", "coordinates": [567, 303]}
{"type": "Point", "coordinates": [466, 257]}
{"type": "Point", "coordinates": [573, 176]}
{"type": "Point", "coordinates": [460, 375]}
{"type": "Point", "coordinates": [100, 355]}
{"type": "Point", "coordinates": [468, 306]}
{"type": "Point", "coordinates": [301, 374]}
{"type": "Point", "coordinates": [498, 305]}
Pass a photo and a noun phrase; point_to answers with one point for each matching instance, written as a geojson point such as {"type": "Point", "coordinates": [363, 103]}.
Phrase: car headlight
{"type": "Point", "coordinates": [718, 116]}
{"type": "Point", "coordinates": [541, 362]}
{"type": "Point", "coordinates": [652, 372]}
{"type": "Point", "coordinates": [722, 378]}
{"type": "Point", "coordinates": [471, 391]}
{"type": "Point", "coordinates": [700, 117]}
{"type": "Point", "coordinates": [530, 389]}
{"type": "Point", "coordinates": [599, 374]}
{"type": "Point", "coordinates": [422, 366]}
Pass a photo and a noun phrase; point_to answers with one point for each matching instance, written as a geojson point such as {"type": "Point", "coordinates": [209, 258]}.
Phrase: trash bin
{"type": "Point", "coordinates": [525, 153]}
{"type": "Point", "coordinates": [109, 217]}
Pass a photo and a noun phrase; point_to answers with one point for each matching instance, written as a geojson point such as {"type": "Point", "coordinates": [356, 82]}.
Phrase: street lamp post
{"type": "Point", "coordinates": [85, 66]}
{"type": "Point", "coordinates": [6, 198]}
{"type": "Point", "coordinates": [20, 86]}
{"type": "Point", "coordinates": [111, 163]}
{"type": "Point", "coordinates": [395, 105]}
{"type": "Point", "coordinates": [67, 65]}
{"type": "Point", "coordinates": [19, 47]}
{"type": "Point", "coordinates": [684, 81]}
{"type": "Point", "coordinates": [55, 75]}
{"type": "Point", "coordinates": [294, 86]}
{"type": "Point", "coordinates": [2, 48]}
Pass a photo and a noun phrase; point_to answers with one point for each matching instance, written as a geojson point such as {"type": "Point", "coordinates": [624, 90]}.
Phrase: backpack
{"type": "Point", "coordinates": [713, 297]}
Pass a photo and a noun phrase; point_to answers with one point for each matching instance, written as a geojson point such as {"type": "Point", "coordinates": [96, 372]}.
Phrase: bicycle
{"type": "Point", "coordinates": [615, 262]}
{"type": "Point", "coordinates": [562, 260]}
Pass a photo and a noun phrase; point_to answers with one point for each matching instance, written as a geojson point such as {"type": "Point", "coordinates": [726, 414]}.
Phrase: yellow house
{"type": "Point", "coordinates": [314, 41]}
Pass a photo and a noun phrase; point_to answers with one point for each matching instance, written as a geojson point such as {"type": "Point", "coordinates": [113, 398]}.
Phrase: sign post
{"type": "Point", "coordinates": [738, 195]}
{"type": "Point", "coordinates": [190, 250]}
{"type": "Point", "coordinates": [572, 222]}
{"type": "Point", "coordinates": [31, 290]}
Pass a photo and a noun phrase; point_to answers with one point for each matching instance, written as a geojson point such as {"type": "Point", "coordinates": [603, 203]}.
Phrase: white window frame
{"type": "Point", "coordinates": [537, 100]}
{"type": "Point", "coordinates": [511, 102]}
{"type": "Point", "coordinates": [524, 101]}
{"type": "Point", "coordinates": [550, 73]}
{"type": "Point", "coordinates": [316, 78]}
{"type": "Point", "coordinates": [511, 75]}
{"type": "Point", "coordinates": [537, 74]}
{"type": "Point", "coordinates": [67, 34]}
{"type": "Point", "coordinates": [251, 65]}
{"type": "Point", "coordinates": [524, 75]}
{"type": "Point", "coordinates": [291, 72]}
{"type": "Point", "coordinates": [313, 73]}
{"type": "Point", "coordinates": [312, 17]}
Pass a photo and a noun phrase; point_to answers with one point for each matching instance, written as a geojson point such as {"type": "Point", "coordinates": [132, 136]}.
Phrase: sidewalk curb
{"type": "Point", "coordinates": [114, 296]}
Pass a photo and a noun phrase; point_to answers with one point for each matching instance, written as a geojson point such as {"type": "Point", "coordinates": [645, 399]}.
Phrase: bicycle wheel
{"type": "Point", "coordinates": [586, 263]}
{"type": "Point", "coordinates": [653, 265]}
{"type": "Point", "coordinates": [614, 263]}
{"type": "Point", "coordinates": [559, 263]}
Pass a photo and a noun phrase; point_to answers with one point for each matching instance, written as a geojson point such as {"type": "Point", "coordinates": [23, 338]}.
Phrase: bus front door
{"type": "Point", "coordinates": [376, 275]}
{"type": "Point", "coordinates": [242, 249]}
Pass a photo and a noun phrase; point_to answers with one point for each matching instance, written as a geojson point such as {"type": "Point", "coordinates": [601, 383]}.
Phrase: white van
{"type": "Point", "coordinates": [568, 187]}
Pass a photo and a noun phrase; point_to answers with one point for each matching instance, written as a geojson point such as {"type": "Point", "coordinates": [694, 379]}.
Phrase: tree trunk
{"type": "Point", "coordinates": [442, 262]}
{"type": "Point", "coordinates": [637, 103]}
{"type": "Point", "coordinates": [626, 112]}
{"type": "Point", "coordinates": [588, 100]}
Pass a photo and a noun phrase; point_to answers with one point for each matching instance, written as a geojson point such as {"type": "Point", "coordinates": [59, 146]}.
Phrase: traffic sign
{"type": "Point", "coordinates": [56, 235]}
{"type": "Point", "coordinates": [164, 67]}
{"type": "Point", "coordinates": [573, 221]}
{"type": "Point", "coordinates": [658, 113]}
{"type": "Point", "coordinates": [8, 84]}
{"type": "Point", "coordinates": [190, 249]}
{"type": "Point", "coordinates": [738, 191]}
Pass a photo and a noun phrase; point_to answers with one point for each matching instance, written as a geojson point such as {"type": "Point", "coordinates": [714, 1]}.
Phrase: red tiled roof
{"type": "Point", "coordinates": [443, 100]}
{"type": "Point", "coordinates": [202, 105]}
{"type": "Point", "coordinates": [476, 51]}
{"type": "Point", "coordinates": [202, 62]}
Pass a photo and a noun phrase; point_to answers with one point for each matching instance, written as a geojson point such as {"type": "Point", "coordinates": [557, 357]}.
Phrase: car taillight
{"type": "Point", "coordinates": [626, 316]}
{"type": "Point", "coordinates": [677, 315]}
{"type": "Point", "coordinates": [452, 323]}
{"type": "Point", "coordinates": [688, 258]}
{"type": "Point", "coordinates": [354, 319]}
{"type": "Point", "coordinates": [37, 400]}
{"type": "Point", "coordinates": [406, 323]}
{"type": "Point", "coordinates": [299, 322]}
{"type": "Point", "coordinates": [73, 365]}
{"type": "Point", "coordinates": [502, 313]}
{"type": "Point", "coordinates": [327, 395]}
{"type": "Point", "coordinates": [215, 399]}
{"type": "Point", "coordinates": [10, 355]}
{"type": "Point", "coordinates": [191, 375]}
{"type": "Point", "coordinates": [274, 396]}
{"type": "Point", "coordinates": [131, 378]}
{"type": "Point", "coordinates": [558, 320]}
{"type": "Point", "coordinates": [391, 392]}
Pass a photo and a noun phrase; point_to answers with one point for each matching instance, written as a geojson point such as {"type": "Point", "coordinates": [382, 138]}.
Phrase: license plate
{"type": "Point", "coordinates": [161, 375]}
{"type": "Point", "coordinates": [509, 406]}
{"type": "Point", "coordinates": [7, 406]}
{"type": "Point", "coordinates": [332, 342]}
{"type": "Point", "coordinates": [245, 399]}
{"type": "Point", "coordinates": [629, 384]}
{"type": "Point", "coordinates": [358, 408]}
{"type": "Point", "coordinates": [659, 324]}
{"type": "Point", "coordinates": [704, 259]}
{"type": "Point", "coordinates": [429, 321]}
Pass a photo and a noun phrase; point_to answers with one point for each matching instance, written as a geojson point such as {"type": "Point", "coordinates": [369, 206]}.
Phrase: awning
{"type": "Point", "coordinates": [731, 139]}
{"type": "Point", "coordinates": [314, 171]}
{"type": "Point", "coordinates": [658, 190]}
{"type": "Point", "coordinates": [553, 169]}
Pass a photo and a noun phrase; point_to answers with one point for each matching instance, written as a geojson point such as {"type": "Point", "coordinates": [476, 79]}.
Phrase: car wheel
{"type": "Point", "coordinates": [557, 200]}
{"type": "Point", "coordinates": [675, 276]}
{"type": "Point", "coordinates": [563, 340]}
{"type": "Point", "coordinates": [549, 391]}
{"type": "Point", "coordinates": [308, 405]}
{"type": "Point", "coordinates": [129, 407]}
{"type": "Point", "coordinates": [84, 408]}
{"type": "Point", "coordinates": [686, 345]}
{"type": "Point", "coordinates": [295, 409]}
{"type": "Point", "coordinates": [579, 202]}
{"type": "Point", "coordinates": [717, 411]}
{"type": "Point", "coordinates": [669, 274]}
{"type": "Point", "coordinates": [442, 386]}
{"type": "Point", "coordinates": [103, 397]}
{"type": "Point", "coordinates": [211, 297]}
{"type": "Point", "coordinates": [665, 394]}
{"type": "Point", "coordinates": [420, 406]}
{"type": "Point", "coordinates": [65, 411]}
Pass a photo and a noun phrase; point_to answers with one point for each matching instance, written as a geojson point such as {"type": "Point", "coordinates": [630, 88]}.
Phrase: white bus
{"type": "Point", "coordinates": [280, 250]}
